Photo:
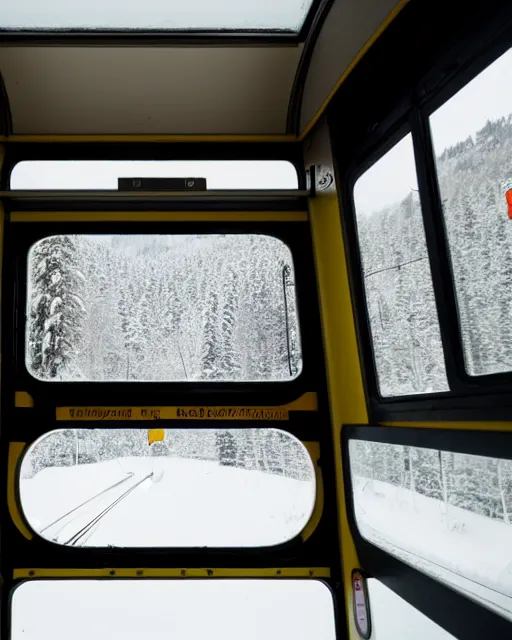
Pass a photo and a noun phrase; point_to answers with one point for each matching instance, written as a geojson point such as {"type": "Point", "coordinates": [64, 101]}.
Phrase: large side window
{"type": "Point", "coordinates": [431, 215]}
{"type": "Point", "coordinates": [397, 281]}
{"type": "Point", "coordinates": [438, 511]}
{"type": "Point", "coordinates": [430, 511]}
{"type": "Point", "coordinates": [472, 135]}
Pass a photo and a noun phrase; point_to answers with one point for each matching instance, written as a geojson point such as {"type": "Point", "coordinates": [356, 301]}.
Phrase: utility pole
{"type": "Point", "coordinates": [286, 273]}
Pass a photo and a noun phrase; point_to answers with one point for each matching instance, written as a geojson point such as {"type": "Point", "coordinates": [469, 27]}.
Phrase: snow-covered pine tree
{"type": "Point", "coordinates": [229, 356]}
{"type": "Point", "coordinates": [57, 309]}
{"type": "Point", "coordinates": [210, 345]}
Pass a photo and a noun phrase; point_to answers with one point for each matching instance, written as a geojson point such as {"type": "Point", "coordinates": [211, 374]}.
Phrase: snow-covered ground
{"type": "Point", "coordinates": [469, 551]}
{"type": "Point", "coordinates": [395, 619]}
{"type": "Point", "coordinates": [185, 503]}
{"type": "Point", "coordinates": [173, 609]}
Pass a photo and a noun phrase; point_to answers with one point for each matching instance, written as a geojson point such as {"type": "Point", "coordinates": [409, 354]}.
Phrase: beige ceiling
{"type": "Point", "coordinates": [183, 89]}
{"type": "Point", "coordinates": [72, 90]}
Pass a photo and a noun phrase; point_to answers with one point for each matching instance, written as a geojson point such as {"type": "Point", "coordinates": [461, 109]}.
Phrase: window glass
{"type": "Point", "coordinates": [448, 514]}
{"type": "Point", "coordinates": [167, 487]}
{"type": "Point", "coordinates": [472, 135]}
{"type": "Point", "coordinates": [184, 609]}
{"type": "Point", "coordinates": [161, 308]}
{"type": "Point", "coordinates": [104, 174]}
{"type": "Point", "coordinates": [395, 619]}
{"type": "Point", "coordinates": [398, 284]}
{"type": "Point", "coordinates": [156, 15]}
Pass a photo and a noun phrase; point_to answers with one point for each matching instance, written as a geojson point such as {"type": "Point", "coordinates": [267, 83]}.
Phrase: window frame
{"type": "Point", "coordinates": [469, 397]}
{"type": "Point", "coordinates": [22, 424]}
{"type": "Point", "coordinates": [48, 393]}
{"type": "Point", "coordinates": [319, 550]}
{"type": "Point", "coordinates": [435, 599]}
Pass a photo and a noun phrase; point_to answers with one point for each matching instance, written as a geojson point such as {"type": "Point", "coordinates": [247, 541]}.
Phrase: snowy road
{"type": "Point", "coordinates": [76, 526]}
{"type": "Point", "coordinates": [473, 554]}
{"type": "Point", "coordinates": [185, 503]}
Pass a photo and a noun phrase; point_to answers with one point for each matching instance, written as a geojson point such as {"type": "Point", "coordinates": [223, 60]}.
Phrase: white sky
{"type": "Point", "coordinates": [164, 609]}
{"type": "Point", "coordinates": [388, 180]}
{"type": "Point", "coordinates": [487, 97]}
{"type": "Point", "coordinates": [103, 174]}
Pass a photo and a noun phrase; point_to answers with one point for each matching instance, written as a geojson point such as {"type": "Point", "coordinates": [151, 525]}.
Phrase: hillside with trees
{"type": "Point", "coordinates": [477, 483]}
{"type": "Point", "coordinates": [473, 178]}
{"type": "Point", "coordinates": [158, 308]}
{"type": "Point", "coordinates": [266, 450]}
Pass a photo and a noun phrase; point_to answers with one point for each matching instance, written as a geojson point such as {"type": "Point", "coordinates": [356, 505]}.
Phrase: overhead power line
{"type": "Point", "coordinates": [396, 266]}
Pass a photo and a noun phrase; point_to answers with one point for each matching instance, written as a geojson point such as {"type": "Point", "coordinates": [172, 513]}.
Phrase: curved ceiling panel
{"type": "Point", "coordinates": [106, 90]}
{"type": "Point", "coordinates": [349, 26]}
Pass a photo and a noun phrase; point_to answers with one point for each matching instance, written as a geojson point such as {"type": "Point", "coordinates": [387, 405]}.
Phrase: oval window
{"type": "Point", "coordinates": [167, 487]}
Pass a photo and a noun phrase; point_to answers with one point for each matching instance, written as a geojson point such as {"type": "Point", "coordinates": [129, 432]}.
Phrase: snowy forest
{"type": "Point", "coordinates": [161, 308]}
{"type": "Point", "coordinates": [473, 178]}
{"type": "Point", "coordinates": [479, 484]}
{"type": "Point", "coordinates": [267, 450]}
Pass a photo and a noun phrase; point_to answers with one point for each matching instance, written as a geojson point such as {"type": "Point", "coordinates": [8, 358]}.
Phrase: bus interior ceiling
{"type": "Point", "coordinates": [281, 230]}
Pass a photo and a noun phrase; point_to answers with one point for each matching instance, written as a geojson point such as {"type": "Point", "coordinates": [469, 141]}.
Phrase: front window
{"type": "Point", "coordinates": [162, 308]}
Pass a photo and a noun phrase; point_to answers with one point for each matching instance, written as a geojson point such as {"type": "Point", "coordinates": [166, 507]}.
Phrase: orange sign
{"type": "Point", "coordinates": [508, 196]}
{"type": "Point", "coordinates": [155, 435]}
